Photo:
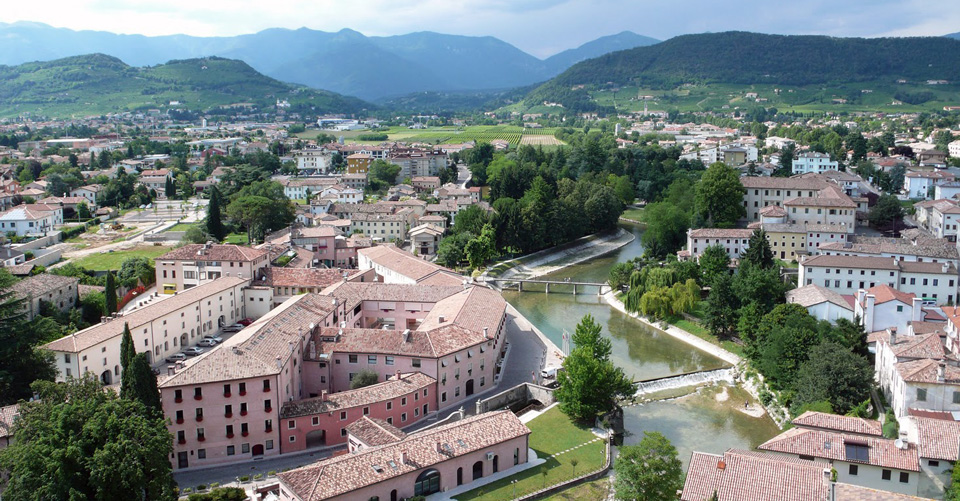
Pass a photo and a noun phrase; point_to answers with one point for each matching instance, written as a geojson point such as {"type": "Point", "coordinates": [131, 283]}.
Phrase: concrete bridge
{"type": "Point", "coordinates": [574, 287]}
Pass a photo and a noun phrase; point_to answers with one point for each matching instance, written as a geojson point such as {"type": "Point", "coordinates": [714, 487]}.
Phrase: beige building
{"type": "Point", "coordinates": [195, 264]}
{"type": "Point", "coordinates": [60, 292]}
{"type": "Point", "coordinates": [199, 311]}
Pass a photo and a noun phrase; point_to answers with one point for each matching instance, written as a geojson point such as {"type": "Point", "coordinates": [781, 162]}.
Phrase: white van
{"type": "Point", "coordinates": [548, 373]}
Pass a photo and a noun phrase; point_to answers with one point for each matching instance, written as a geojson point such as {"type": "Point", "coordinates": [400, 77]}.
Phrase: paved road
{"type": "Point", "coordinates": [526, 351]}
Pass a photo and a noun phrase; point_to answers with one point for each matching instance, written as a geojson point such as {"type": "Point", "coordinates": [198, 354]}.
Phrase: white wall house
{"type": "Point", "coordinates": [735, 241]}
{"type": "Point", "coordinates": [918, 184]}
{"type": "Point", "coordinates": [313, 162]}
{"type": "Point", "coordinates": [815, 162]}
{"type": "Point", "coordinates": [934, 282]}
{"type": "Point", "coordinates": [822, 303]}
{"type": "Point", "coordinates": [23, 221]}
{"type": "Point", "coordinates": [882, 307]}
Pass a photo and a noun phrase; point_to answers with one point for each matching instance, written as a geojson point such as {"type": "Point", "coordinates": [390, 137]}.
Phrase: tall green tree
{"type": "Point", "coordinates": [143, 385]}
{"type": "Point", "coordinates": [648, 471]}
{"type": "Point", "coordinates": [719, 197]}
{"type": "Point", "coordinates": [482, 248]}
{"type": "Point", "coordinates": [714, 262]}
{"type": "Point", "coordinates": [722, 306]}
{"type": "Point", "coordinates": [79, 441]}
{"type": "Point", "coordinates": [214, 221]}
{"type": "Point", "coordinates": [833, 374]}
{"type": "Point", "coordinates": [21, 360]}
{"type": "Point", "coordinates": [886, 212]}
{"type": "Point", "coordinates": [127, 352]}
{"type": "Point", "coordinates": [759, 252]}
{"type": "Point", "coordinates": [170, 189]}
{"type": "Point", "coordinates": [666, 231]}
{"type": "Point", "coordinates": [590, 384]}
{"type": "Point", "coordinates": [110, 290]}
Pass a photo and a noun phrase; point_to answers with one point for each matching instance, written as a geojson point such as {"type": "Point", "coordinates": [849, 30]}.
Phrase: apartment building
{"type": "Point", "coordinates": [939, 216]}
{"type": "Point", "coordinates": [935, 282]}
{"type": "Point", "coordinates": [418, 163]}
{"type": "Point", "coordinates": [760, 192]}
{"type": "Point", "coordinates": [195, 264]}
{"type": "Point", "coordinates": [814, 162]}
{"type": "Point", "coordinates": [920, 184]}
{"type": "Point", "coordinates": [395, 266]}
{"type": "Point", "coordinates": [359, 163]}
{"type": "Point", "coordinates": [200, 311]}
{"type": "Point", "coordinates": [28, 221]}
{"type": "Point", "coordinates": [313, 161]}
{"type": "Point", "coordinates": [734, 240]}
{"type": "Point", "coordinates": [913, 249]}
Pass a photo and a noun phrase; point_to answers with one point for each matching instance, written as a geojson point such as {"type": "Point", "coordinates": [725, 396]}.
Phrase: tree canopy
{"type": "Point", "coordinates": [648, 471]}
{"type": "Point", "coordinates": [590, 384]}
{"type": "Point", "coordinates": [719, 197]}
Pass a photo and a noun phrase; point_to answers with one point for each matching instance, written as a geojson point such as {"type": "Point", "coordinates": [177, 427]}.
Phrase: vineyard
{"type": "Point", "coordinates": [480, 133]}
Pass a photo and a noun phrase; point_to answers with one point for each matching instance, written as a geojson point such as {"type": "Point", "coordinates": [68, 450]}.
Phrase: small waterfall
{"type": "Point", "coordinates": [684, 380]}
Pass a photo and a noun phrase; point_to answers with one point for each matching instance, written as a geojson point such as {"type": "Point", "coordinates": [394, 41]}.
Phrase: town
{"type": "Point", "coordinates": [579, 299]}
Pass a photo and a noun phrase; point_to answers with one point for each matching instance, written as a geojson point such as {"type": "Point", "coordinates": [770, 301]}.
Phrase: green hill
{"type": "Point", "coordinates": [755, 59]}
{"type": "Point", "coordinates": [96, 84]}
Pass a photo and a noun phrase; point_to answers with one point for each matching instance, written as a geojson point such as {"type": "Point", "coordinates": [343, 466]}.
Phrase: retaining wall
{"type": "Point", "coordinates": [519, 396]}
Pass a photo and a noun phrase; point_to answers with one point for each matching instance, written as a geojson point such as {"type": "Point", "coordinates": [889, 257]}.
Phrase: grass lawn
{"type": "Point", "coordinates": [590, 491]}
{"type": "Point", "coordinates": [182, 226]}
{"type": "Point", "coordinates": [236, 238]}
{"type": "Point", "coordinates": [635, 214]}
{"type": "Point", "coordinates": [112, 260]}
{"type": "Point", "coordinates": [702, 333]}
{"type": "Point", "coordinates": [551, 433]}
{"type": "Point", "coordinates": [787, 264]}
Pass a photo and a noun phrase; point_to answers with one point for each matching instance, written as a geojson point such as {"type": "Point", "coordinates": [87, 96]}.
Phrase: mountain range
{"type": "Point", "coordinates": [97, 84]}
{"type": "Point", "coordinates": [346, 62]}
{"type": "Point", "coordinates": [754, 58]}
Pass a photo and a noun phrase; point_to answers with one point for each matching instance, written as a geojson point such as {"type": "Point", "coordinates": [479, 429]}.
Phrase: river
{"type": "Point", "coordinates": [707, 421]}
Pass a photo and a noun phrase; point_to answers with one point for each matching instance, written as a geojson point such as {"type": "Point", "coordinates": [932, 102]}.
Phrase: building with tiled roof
{"type": "Point", "coordinates": [833, 422]}
{"type": "Point", "coordinates": [159, 329]}
{"type": "Point", "coordinates": [739, 475]}
{"type": "Point", "coordinates": [935, 250]}
{"type": "Point", "coordinates": [936, 282]}
{"type": "Point", "coordinates": [420, 464]}
{"type": "Point", "coordinates": [194, 264]}
{"type": "Point", "coordinates": [24, 221]}
{"type": "Point", "coordinates": [8, 415]}
{"type": "Point", "coordinates": [288, 282]}
{"type": "Point", "coordinates": [60, 292]}
{"type": "Point", "coordinates": [822, 303]}
{"type": "Point", "coordinates": [919, 184]}
{"type": "Point", "coordinates": [369, 432]}
{"type": "Point", "coordinates": [393, 265]}
{"type": "Point", "coordinates": [299, 360]}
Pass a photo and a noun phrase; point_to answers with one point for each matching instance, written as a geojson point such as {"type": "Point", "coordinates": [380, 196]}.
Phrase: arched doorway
{"type": "Point", "coordinates": [469, 387]}
{"type": "Point", "coordinates": [220, 321]}
{"type": "Point", "coordinates": [393, 495]}
{"type": "Point", "coordinates": [460, 476]}
{"type": "Point", "coordinates": [316, 438]}
{"type": "Point", "coordinates": [258, 450]}
{"type": "Point", "coordinates": [427, 483]}
{"type": "Point", "coordinates": [106, 377]}
{"type": "Point", "coordinates": [183, 340]}
{"type": "Point", "coordinates": [477, 470]}
{"type": "Point", "coordinates": [496, 464]}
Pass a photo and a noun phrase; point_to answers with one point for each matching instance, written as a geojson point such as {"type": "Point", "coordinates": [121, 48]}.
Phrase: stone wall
{"type": "Point", "coordinates": [516, 398]}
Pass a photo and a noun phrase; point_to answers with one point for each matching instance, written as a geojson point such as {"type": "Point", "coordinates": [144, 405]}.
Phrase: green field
{"type": "Point", "coordinates": [633, 214]}
{"type": "Point", "coordinates": [551, 433]}
{"type": "Point", "coordinates": [804, 99]}
{"type": "Point", "coordinates": [112, 260]}
{"type": "Point", "coordinates": [181, 227]}
{"type": "Point", "coordinates": [441, 135]}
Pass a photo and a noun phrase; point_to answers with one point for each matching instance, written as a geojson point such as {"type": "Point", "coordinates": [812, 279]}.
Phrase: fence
{"type": "Point", "coordinates": [588, 477]}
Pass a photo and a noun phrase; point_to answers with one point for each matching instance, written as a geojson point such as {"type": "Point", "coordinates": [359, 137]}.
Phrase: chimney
{"type": "Point", "coordinates": [171, 370]}
{"type": "Point", "coordinates": [892, 332]}
{"type": "Point", "coordinates": [439, 448]}
{"type": "Point", "coordinates": [407, 335]}
{"type": "Point", "coordinates": [721, 465]}
{"type": "Point", "coordinates": [442, 319]}
{"type": "Point", "coordinates": [917, 312]}
{"type": "Point", "coordinates": [323, 395]}
{"type": "Point", "coordinates": [941, 371]}
{"type": "Point", "coordinates": [279, 363]}
{"type": "Point", "coordinates": [398, 375]}
{"type": "Point", "coordinates": [486, 333]}
{"type": "Point", "coordinates": [403, 458]}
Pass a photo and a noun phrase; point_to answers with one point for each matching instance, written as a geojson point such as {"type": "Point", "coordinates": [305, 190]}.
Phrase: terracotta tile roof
{"type": "Point", "coordinates": [788, 183]}
{"type": "Point", "coordinates": [938, 439]}
{"type": "Point", "coordinates": [810, 295]}
{"type": "Point", "coordinates": [885, 293]}
{"type": "Point", "coordinates": [298, 277]}
{"type": "Point", "coordinates": [747, 476]}
{"type": "Point", "coordinates": [216, 252]}
{"type": "Point", "coordinates": [374, 432]}
{"type": "Point", "coordinates": [38, 285]}
{"type": "Point", "coordinates": [832, 446]}
{"type": "Point", "coordinates": [773, 211]}
{"type": "Point", "coordinates": [850, 492]}
{"type": "Point", "coordinates": [380, 392]}
{"type": "Point", "coordinates": [824, 421]}
{"type": "Point", "coordinates": [925, 371]}
{"type": "Point", "coordinates": [401, 262]}
{"type": "Point", "coordinates": [721, 233]}
{"type": "Point", "coordinates": [96, 334]}
{"type": "Point", "coordinates": [821, 201]}
{"type": "Point", "coordinates": [918, 346]}
{"type": "Point", "coordinates": [7, 415]}
{"type": "Point", "coordinates": [343, 474]}
{"type": "Point", "coordinates": [84, 290]}
{"type": "Point", "coordinates": [928, 328]}
{"type": "Point", "coordinates": [827, 261]}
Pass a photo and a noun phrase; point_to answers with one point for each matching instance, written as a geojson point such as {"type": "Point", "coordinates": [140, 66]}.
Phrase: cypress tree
{"type": "Point", "coordinates": [214, 218]}
{"type": "Point", "coordinates": [111, 293]}
{"type": "Point", "coordinates": [143, 385]}
{"type": "Point", "coordinates": [169, 189]}
{"type": "Point", "coordinates": [127, 352]}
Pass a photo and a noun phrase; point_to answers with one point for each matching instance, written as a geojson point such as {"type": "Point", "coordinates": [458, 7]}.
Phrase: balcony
{"type": "Point", "coordinates": [229, 435]}
{"type": "Point", "coordinates": [178, 400]}
{"type": "Point", "coordinates": [244, 433]}
{"type": "Point", "coordinates": [181, 441]}
{"type": "Point", "coordinates": [226, 395]}
{"type": "Point", "coordinates": [201, 439]}
{"type": "Point", "coordinates": [243, 392]}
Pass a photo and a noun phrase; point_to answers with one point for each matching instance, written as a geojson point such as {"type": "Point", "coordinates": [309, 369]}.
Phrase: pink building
{"type": "Point", "coordinates": [194, 264]}
{"type": "Point", "coordinates": [283, 383]}
{"type": "Point", "coordinates": [325, 420]}
{"type": "Point", "coordinates": [418, 464]}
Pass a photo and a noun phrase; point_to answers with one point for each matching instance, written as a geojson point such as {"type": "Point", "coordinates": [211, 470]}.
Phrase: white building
{"type": "Point", "coordinates": [946, 190]}
{"type": "Point", "coordinates": [394, 266]}
{"type": "Point", "coordinates": [24, 221]}
{"type": "Point", "coordinates": [813, 162]}
{"type": "Point", "coordinates": [733, 240]}
{"type": "Point", "coordinates": [920, 184]}
{"type": "Point", "coordinates": [936, 282]}
{"type": "Point", "coordinates": [954, 149]}
{"type": "Point", "coordinates": [913, 376]}
{"type": "Point", "coordinates": [883, 307]}
{"type": "Point", "coordinates": [313, 161]}
{"type": "Point", "coordinates": [822, 303]}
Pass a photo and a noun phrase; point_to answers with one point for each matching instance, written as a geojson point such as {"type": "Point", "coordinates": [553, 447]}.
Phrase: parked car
{"type": "Point", "coordinates": [215, 339]}
{"type": "Point", "coordinates": [193, 351]}
{"type": "Point", "coordinates": [245, 322]}
{"type": "Point", "coordinates": [206, 342]}
{"type": "Point", "coordinates": [232, 328]}
{"type": "Point", "coordinates": [176, 357]}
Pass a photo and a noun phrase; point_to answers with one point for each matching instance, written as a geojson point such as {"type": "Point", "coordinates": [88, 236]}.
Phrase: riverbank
{"type": "Point", "coordinates": [550, 260]}
{"type": "Point", "coordinates": [676, 332]}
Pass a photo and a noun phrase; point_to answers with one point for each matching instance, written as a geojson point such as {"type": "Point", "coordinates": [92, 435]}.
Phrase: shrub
{"type": "Point", "coordinates": [214, 485]}
{"type": "Point", "coordinates": [201, 487]}
{"type": "Point", "coordinates": [245, 478]}
{"type": "Point", "coordinates": [186, 490]}
{"type": "Point", "coordinates": [272, 473]}
{"type": "Point", "coordinates": [258, 476]}
{"type": "Point", "coordinates": [765, 397]}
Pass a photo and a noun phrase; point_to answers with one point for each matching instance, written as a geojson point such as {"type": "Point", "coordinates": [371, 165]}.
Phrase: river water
{"type": "Point", "coordinates": [709, 420]}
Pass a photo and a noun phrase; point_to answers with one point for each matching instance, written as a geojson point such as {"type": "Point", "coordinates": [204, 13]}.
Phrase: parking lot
{"type": "Point", "coordinates": [226, 333]}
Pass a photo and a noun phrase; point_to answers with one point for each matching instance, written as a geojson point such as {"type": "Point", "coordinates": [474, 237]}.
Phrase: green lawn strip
{"type": "Point", "coordinates": [236, 238]}
{"type": "Point", "coordinates": [112, 260]}
{"type": "Point", "coordinates": [551, 433]}
{"type": "Point", "coordinates": [181, 227]}
{"type": "Point", "coordinates": [702, 333]}
{"type": "Point", "coordinates": [787, 264]}
{"type": "Point", "coordinates": [590, 491]}
{"type": "Point", "coordinates": [634, 214]}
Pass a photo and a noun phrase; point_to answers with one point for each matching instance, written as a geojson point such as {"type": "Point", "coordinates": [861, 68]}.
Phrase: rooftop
{"type": "Point", "coordinates": [214, 252]}
{"type": "Point", "coordinates": [272, 276]}
{"type": "Point", "coordinates": [38, 285]}
{"type": "Point", "coordinates": [740, 475]}
{"type": "Point", "coordinates": [835, 446]}
{"type": "Point", "coordinates": [810, 295]}
{"type": "Point", "coordinates": [824, 421]}
{"type": "Point", "coordinates": [379, 392]}
{"type": "Point", "coordinates": [374, 432]}
{"type": "Point", "coordinates": [938, 438]}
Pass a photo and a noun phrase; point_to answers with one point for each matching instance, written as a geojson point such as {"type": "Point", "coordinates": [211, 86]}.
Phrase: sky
{"type": "Point", "coordinates": [540, 27]}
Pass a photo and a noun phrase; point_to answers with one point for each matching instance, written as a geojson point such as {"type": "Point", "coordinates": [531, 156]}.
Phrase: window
{"type": "Point", "coordinates": [366, 411]}
{"type": "Point", "coordinates": [899, 308]}
{"type": "Point", "coordinates": [372, 359]}
{"type": "Point", "coordinates": [245, 448]}
{"type": "Point", "coordinates": [269, 445]}
{"type": "Point", "coordinates": [443, 397]}
{"type": "Point", "coordinates": [268, 424]}
{"type": "Point", "coordinates": [244, 430]}
{"type": "Point", "coordinates": [956, 397]}
{"type": "Point", "coordinates": [266, 386]}
{"type": "Point", "coordinates": [352, 359]}
{"type": "Point", "coordinates": [854, 469]}
{"type": "Point", "coordinates": [231, 450]}
{"type": "Point", "coordinates": [197, 393]}
{"type": "Point", "coordinates": [389, 405]}
{"type": "Point", "coordinates": [266, 405]}
{"type": "Point", "coordinates": [886, 474]}
{"type": "Point", "coordinates": [343, 415]}
{"type": "Point", "coordinates": [66, 358]}
{"type": "Point", "coordinates": [293, 438]}
{"type": "Point", "coordinates": [178, 395]}
{"type": "Point", "coordinates": [921, 394]}
{"type": "Point", "coordinates": [516, 456]}
{"type": "Point", "coordinates": [933, 463]}
{"type": "Point", "coordinates": [226, 390]}
{"type": "Point", "coordinates": [388, 360]}
{"type": "Point", "coordinates": [201, 454]}
{"type": "Point", "coordinates": [291, 424]}
{"type": "Point", "coordinates": [199, 413]}
{"type": "Point", "coordinates": [403, 417]}
{"type": "Point", "coordinates": [904, 477]}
